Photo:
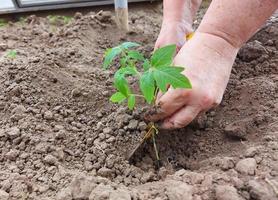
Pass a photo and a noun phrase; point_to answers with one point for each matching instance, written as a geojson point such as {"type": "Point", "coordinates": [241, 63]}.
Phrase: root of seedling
{"type": "Point", "coordinates": [151, 133]}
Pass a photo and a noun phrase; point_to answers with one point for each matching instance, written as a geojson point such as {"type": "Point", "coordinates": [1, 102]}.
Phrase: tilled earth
{"type": "Point", "coordinates": [60, 138]}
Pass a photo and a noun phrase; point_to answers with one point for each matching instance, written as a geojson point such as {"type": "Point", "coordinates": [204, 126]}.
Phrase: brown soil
{"type": "Point", "coordinates": [60, 138]}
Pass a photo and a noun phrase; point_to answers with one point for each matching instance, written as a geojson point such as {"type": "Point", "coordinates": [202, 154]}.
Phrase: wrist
{"type": "Point", "coordinates": [217, 42]}
{"type": "Point", "coordinates": [216, 47]}
{"type": "Point", "coordinates": [233, 40]}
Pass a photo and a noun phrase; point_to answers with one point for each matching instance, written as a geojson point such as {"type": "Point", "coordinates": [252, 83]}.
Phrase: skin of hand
{"type": "Point", "coordinates": [177, 22]}
{"type": "Point", "coordinates": [209, 77]}
{"type": "Point", "coordinates": [208, 58]}
{"type": "Point", "coordinates": [173, 32]}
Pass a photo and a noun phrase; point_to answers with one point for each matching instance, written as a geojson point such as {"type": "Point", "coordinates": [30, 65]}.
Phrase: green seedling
{"type": "Point", "coordinates": [22, 20]}
{"type": "Point", "coordinates": [153, 74]}
{"type": "Point", "coordinates": [12, 54]}
{"type": "Point", "coordinates": [67, 19]}
{"type": "Point", "coordinates": [55, 19]}
{"type": "Point", "coordinates": [3, 23]}
{"type": "Point", "coordinates": [156, 73]}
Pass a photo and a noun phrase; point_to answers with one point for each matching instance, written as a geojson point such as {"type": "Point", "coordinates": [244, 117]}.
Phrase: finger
{"type": "Point", "coordinates": [156, 47]}
{"type": "Point", "coordinates": [170, 102]}
{"type": "Point", "coordinates": [158, 96]}
{"type": "Point", "coordinates": [182, 118]}
{"type": "Point", "coordinates": [158, 44]}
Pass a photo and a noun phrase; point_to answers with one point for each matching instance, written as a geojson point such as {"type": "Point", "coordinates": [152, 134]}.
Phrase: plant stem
{"type": "Point", "coordinates": [155, 147]}
{"type": "Point", "coordinates": [155, 95]}
{"type": "Point", "coordinates": [156, 92]}
{"type": "Point", "coordinates": [138, 95]}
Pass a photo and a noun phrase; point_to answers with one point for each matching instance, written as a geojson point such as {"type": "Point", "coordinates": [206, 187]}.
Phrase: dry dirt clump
{"type": "Point", "coordinates": [61, 139]}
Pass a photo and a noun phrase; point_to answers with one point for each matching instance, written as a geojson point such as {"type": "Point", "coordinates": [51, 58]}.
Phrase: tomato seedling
{"type": "Point", "coordinates": [153, 74]}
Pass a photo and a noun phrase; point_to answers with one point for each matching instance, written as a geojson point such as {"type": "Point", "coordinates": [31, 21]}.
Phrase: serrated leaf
{"type": "Point", "coordinates": [110, 55]}
{"type": "Point", "coordinates": [146, 65]}
{"type": "Point", "coordinates": [131, 102]}
{"type": "Point", "coordinates": [163, 56]}
{"type": "Point", "coordinates": [127, 45]}
{"type": "Point", "coordinates": [147, 86]}
{"type": "Point", "coordinates": [165, 76]}
{"type": "Point", "coordinates": [117, 97]}
{"type": "Point", "coordinates": [135, 55]}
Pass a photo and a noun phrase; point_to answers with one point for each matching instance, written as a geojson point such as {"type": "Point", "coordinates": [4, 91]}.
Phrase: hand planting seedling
{"type": "Point", "coordinates": [152, 75]}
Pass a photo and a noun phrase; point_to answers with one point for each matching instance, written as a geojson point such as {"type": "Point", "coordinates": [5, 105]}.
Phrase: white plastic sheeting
{"type": "Point", "coordinates": [41, 2]}
{"type": "Point", "coordinates": [6, 5]}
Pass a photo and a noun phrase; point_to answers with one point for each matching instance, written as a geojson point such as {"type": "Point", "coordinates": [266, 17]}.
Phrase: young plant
{"type": "Point", "coordinates": [22, 20]}
{"type": "Point", "coordinates": [67, 19]}
{"type": "Point", "coordinates": [153, 74]}
{"type": "Point", "coordinates": [156, 73]}
{"type": "Point", "coordinates": [12, 54]}
{"type": "Point", "coordinates": [56, 19]}
{"type": "Point", "coordinates": [53, 19]}
{"type": "Point", "coordinates": [3, 23]}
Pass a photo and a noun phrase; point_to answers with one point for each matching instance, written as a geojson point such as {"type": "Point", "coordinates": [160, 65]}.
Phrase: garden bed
{"type": "Point", "coordinates": [61, 138]}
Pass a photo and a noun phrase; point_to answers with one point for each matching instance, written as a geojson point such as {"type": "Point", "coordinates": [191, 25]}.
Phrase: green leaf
{"type": "Point", "coordinates": [147, 86]}
{"type": "Point", "coordinates": [165, 76]}
{"type": "Point", "coordinates": [121, 84]}
{"type": "Point", "coordinates": [163, 56]}
{"type": "Point", "coordinates": [12, 54]}
{"type": "Point", "coordinates": [136, 55]}
{"type": "Point", "coordinates": [117, 97]}
{"type": "Point", "coordinates": [110, 55]}
{"type": "Point", "coordinates": [126, 71]}
{"type": "Point", "coordinates": [120, 81]}
{"type": "Point", "coordinates": [127, 45]}
{"type": "Point", "coordinates": [3, 22]}
{"type": "Point", "coordinates": [67, 19]}
{"type": "Point", "coordinates": [123, 61]}
{"type": "Point", "coordinates": [146, 65]}
{"type": "Point", "coordinates": [131, 102]}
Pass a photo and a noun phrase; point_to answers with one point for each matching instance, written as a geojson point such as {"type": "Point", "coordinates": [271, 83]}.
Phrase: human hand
{"type": "Point", "coordinates": [208, 60]}
{"type": "Point", "coordinates": [173, 32]}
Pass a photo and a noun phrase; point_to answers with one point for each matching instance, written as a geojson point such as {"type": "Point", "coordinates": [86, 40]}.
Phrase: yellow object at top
{"type": "Point", "coordinates": [189, 36]}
